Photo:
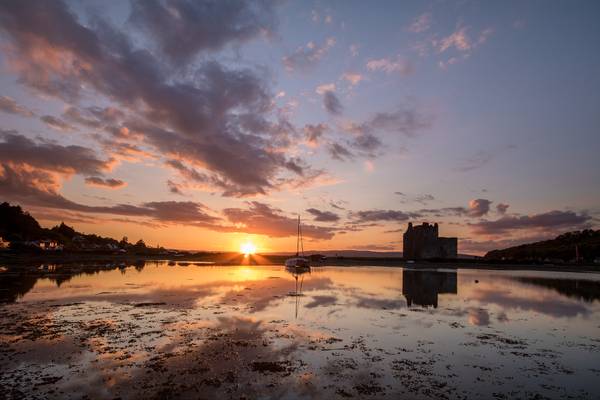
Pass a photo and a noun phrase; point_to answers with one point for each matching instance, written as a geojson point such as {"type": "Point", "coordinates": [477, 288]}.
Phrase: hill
{"type": "Point", "coordinates": [23, 231]}
{"type": "Point", "coordinates": [345, 253]}
{"type": "Point", "coordinates": [16, 225]}
{"type": "Point", "coordinates": [563, 248]}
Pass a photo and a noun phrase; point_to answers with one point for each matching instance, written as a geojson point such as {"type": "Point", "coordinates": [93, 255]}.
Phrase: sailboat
{"type": "Point", "coordinates": [298, 262]}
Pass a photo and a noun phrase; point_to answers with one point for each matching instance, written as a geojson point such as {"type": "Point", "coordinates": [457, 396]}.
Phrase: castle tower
{"type": "Point", "coordinates": [423, 242]}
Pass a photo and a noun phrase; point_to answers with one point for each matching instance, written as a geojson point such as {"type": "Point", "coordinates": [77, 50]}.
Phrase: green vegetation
{"type": "Point", "coordinates": [572, 246]}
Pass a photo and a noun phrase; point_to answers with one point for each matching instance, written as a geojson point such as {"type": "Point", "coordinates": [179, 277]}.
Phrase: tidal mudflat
{"type": "Point", "coordinates": [187, 330]}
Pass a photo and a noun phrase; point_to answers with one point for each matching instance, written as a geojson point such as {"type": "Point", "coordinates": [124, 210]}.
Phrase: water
{"type": "Point", "coordinates": [202, 331]}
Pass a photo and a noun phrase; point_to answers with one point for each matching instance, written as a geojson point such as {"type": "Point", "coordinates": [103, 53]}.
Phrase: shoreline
{"type": "Point", "coordinates": [26, 260]}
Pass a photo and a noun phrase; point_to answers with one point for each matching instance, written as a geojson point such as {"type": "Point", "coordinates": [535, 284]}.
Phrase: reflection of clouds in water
{"type": "Point", "coordinates": [374, 303]}
{"type": "Point", "coordinates": [227, 354]}
{"type": "Point", "coordinates": [479, 317]}
{"type": "Point", "coordinates": [256, 294]}
{"type": "Point", "coordinates": [545, 304]}
{"type": "Point", "coordinates": [262, 293]}
{"type": "Point", "coordinates": [321, 301]}
{"type": "Point", "coordinates": [502, 317]}
{"type": "Point", "coordinates": [172, 297]}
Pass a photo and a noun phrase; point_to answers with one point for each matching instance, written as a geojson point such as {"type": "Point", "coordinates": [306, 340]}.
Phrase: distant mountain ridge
{"type": "Point", "coordinates": [344, 253]}
{"type": "Point", "coordinates": [566, 247]}
{"type": "Point", "coordinates": [359, 254]}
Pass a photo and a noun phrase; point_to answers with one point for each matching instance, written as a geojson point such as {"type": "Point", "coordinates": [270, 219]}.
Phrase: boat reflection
{"type": "Point", "coordinates": [423, 287]}
{"type": "Point", "coordinates": [298, 273]}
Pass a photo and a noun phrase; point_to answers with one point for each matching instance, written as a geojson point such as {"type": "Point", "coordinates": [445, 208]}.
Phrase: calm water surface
{"type": "Point", "coordinates": [155, 330]}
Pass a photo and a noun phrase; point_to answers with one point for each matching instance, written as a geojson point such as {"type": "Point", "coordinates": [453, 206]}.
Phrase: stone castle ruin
{"type": "Point", "coordinates": [423, 242]}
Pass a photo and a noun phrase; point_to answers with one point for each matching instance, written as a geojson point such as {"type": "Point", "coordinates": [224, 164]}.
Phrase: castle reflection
{"type": "Point", "coordinates": [423, 287]}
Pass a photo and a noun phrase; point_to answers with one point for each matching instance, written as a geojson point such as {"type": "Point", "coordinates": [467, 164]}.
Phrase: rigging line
{"type": "Point", "coordinates": [298, 238]}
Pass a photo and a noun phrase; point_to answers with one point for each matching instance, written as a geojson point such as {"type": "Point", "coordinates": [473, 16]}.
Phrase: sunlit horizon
{"type": "Point", "coordinates": [359, 118]}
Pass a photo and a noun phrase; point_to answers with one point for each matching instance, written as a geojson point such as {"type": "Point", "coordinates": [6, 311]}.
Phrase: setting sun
{"type": "Point", "coordinates": [248, 248]}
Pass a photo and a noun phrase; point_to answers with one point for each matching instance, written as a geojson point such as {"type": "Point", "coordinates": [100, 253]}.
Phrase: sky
{"type": "Point", "coordinates": [207, 124]}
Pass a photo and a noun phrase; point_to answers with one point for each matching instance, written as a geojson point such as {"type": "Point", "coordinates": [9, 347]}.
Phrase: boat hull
{"type": "Point", "coordinates": [297, 262]}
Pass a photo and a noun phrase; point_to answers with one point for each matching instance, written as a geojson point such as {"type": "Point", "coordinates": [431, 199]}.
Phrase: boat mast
{"type": "Point", "coordinates": [298, 238]}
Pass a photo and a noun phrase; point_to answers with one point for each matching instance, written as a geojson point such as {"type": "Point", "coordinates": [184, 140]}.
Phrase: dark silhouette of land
{"type": "Point", "coordinates": [28, 244]}
{"type": "Point", "coordinates": [21, 233]}
{"type": "Point", "coordinates": [579, 246]}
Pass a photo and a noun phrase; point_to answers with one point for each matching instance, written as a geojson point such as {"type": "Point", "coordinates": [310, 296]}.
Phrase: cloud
{"type": "Point", "coordinates": [482, 158]}
{"type": "Point", "coordinates": [38, 188]}
{"type": "Point", "coordinates": [324, 88]}
{"type": "Point", "coordinates": [381, 215]}
{"type": "Point", "coordinates": [458, 39]}
{"type": "Point", "coordinates": [353, 78]}
{"type": "Point", "coordinates": [420, 24]}
{"type": "Point", "coordinates": [419, 198]}
{"type": "Point", "coordinates": [484, 35]}
{"type": "Point", "coordinates": [174, 187]}
{"type": "Point", "coordinates": [323, 216]}
{"type": "Point", "coordinates": [406, 120]}
{"type": "Point", "coordinates": [311, 178]}
{"type": "Point", "coordinates": [10, 106]}
{"type": "Point", "coordinates": [260, 218]}
{"type": "Point", "coordinates": [461, 42]}
{"type": "Point", "coordinates": [19, 150]}
{"type": "Point", "coordinates": [548, 220]}
{"type": "Point", "coordinates": [178, 211]}
{"type": "Point", "coordinates": [354, 50]}
{"type": "Point", "coordinates": [56, 123]}
{"type": "Point", "coordinates": [444, 212]}
{"type": "Point", "coordinates": [399, 65]}
{"type": "Point", "coordinates": [339, 152]}
{"type": "Point", "coordinates": [215, 118]}
{"type": "Point", "coordinates": [306, 57]}
{"type": "Point", "coordinates": [423, 198]}
{"type": "Point", "coordinates": [337, 204]}
{"type": "Point", "coordinates": [501, 208]}
{"type": "Point", "coordinates": [476, 161]}
{"type": "Point", "coordinates": [476, 208]}
{"type": "Point", "coordinates": [110, 183]}
{"type": "Point", "coordinates": [367, 143]}
{"type": "Point", "coordinates": [94, 117]}
{"type": "Point", "coordinates": [207, 181]}
{"type": "Point", "coordinates": [314, 133]}
{"type": "Point", "coordinates": [479, 207]}
{"type": "Point", "coordinates": [184, 28]}
{"type": "Point", "coordinates": [332, 103]}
